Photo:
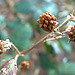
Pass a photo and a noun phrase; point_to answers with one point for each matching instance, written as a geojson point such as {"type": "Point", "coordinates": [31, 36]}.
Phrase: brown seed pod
{"type": "Point", "coordinates": [47, 21]}
{"type": "Point", "coordinates": [24, 65]}
{"type": "Point", "coordinates": [1, 48]}
{"type": "Point", "coordinates": [72, 34]}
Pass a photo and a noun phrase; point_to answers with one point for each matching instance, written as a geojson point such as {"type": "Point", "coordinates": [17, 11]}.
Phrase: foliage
{"type": "Point", "coordinates": [4, 35]}
{"type": "Point", "coordinates": [2, 19]}
{"type": "Point", "coordinates": [44, 59]}
{"type": "Point", "coordinates": [67, 68]}
{"type": "Point", "coordinates": [13, 24]}
{"type": "Point", "coordinates": [21, 39]}
{"type": "Point", "coordinates": [23, 30]}
{"type": "Point", "coordinates": [24, 7]}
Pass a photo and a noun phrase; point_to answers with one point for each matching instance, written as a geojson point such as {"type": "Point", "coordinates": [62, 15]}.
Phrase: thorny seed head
{"type": "Point", "coordinates": [47, 21]}
{"type": "Point", "coordinates": [4, 45]}
{"type": "Point", "coordinates": [72, 34]}
{"type": "Point", "coordinates": [24, 65]}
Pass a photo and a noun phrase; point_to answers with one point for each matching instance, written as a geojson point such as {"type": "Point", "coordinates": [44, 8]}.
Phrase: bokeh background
{"type": "Point", "coordinates": [18, 22]}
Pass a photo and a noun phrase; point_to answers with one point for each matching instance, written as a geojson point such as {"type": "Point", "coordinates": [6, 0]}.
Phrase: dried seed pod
{"type": "Point", "coordinates": [47, 21]}
{"type": "Point", "coordinates": [72, 34]}
{"type": "Point", "coordinates": [1, 47]}
{"type": "Point", "coordinates": [4, 45]}
{"type": "Point", "coordinates": [24, 65]}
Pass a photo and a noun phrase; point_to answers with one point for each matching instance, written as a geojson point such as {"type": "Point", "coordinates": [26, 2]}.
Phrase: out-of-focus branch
{"type": "Point", "coordinates": [11, 3]}
{"type": "Point", "coordinates": [73, 20]}
{"type": "Point", "coordinates": [3, 26]}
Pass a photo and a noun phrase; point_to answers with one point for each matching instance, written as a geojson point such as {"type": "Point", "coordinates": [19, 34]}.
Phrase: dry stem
{"type": "Point", "coordinates": [24, 52]}
{"type": "Point", "coordinates": [64, 23]}
{"type": "Point", "coordinates": [43, 39]}
{"type": "Point", "coordinates": [16, 48]}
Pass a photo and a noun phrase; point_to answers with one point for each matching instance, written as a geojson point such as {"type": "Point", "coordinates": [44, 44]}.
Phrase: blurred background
{"type": "Point", "coordinates": [18, 22]}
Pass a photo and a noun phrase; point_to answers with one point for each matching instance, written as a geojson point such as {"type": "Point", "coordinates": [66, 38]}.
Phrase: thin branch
{"type": "Point", "coordinates": [53, 38]}
{"type": "Point", "coordinates": [3, 26]}
{"type": "Point", "coordinates": [26, 51]}
{"type": "Point", "coordinates": [73, 20]}
{"type": "Point", "coordinates": [42, 40]}
{"type": "Point", "coordinates": [64, 23]}
{"type": "Point", "coordinates": [73, 11]}
{"type": "Point", "coordinates": [16, 48]}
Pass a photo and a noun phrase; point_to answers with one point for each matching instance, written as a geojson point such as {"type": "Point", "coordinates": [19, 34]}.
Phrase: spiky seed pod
{"type": "Point", "coordinates": [47, 21]}
{"type": "Point", "coordinates": [1, 47]}
{"type": "Point", "coordinates": [72, 34]}
{"type": "Point", "coordinates": [24, 65]}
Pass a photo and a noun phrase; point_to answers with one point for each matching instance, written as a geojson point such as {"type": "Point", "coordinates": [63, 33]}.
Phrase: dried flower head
{"type": "Point", "coordinates": [47, 21]}
{"type": "Point", "coordinates": [72, 34]}
{"type": "Point", "coordinates": [24, 65]}
{"type": "Point", "coordinates": [1, 47]}
{"type": "Point", "coordinates": [4, 45]}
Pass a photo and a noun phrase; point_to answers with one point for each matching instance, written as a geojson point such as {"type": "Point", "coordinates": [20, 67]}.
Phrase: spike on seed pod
{"type": "Point", "coordinates": [47, 21]}
{"type": "Point", "coordinates": [72, 34]}
{"type": "Point", "coordinates": [24, 65]}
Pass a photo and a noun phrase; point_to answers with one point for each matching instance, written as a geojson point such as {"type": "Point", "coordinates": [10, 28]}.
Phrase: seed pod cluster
{"type": "Point", "coordinates": [72, 34]}
{"type": "Point", "coordinates": [1, 47]}
{"type": "Point", "coordinates": [47, 21]}
{"type": "Point", "coordinates": [24, 65]}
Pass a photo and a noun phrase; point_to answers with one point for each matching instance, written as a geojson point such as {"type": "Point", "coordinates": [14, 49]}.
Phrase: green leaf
{"type": "Point", "coordinates": [37, 13]}
{"type": "Point", "coordinates": [13, 24]}
{"type": "Point", "coordinates": [23, 31]}
{"type": "Point", "coordinates": [3, 35]}
{"type": "Point", "coordinates": [67, 68]}
{"type": "Point", "coordinates": [18, 72]}
{"type": "Point", "coordinates": [49, 48]}
{"type": "Point", "coordinates": [67, 46]}
{"type": "Point", "coordinates": [51, 72]}
{"type": "Point", "coordinates": [45, 62]}
{"type": "Point", "coordinates": [22, 44]}
{"type": "Point", "coordinates": [50, 7]}
{"type": "Point", "coordinates": [6, 57]}
{"type": "Point", "coordinates": [2, 19]}
{"type": "Point", "coordinates": [21, 36]}
{"type": "Point", "coordinates": [43, 1]}
{"type": "Point", "coordinates": [24, 7]}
